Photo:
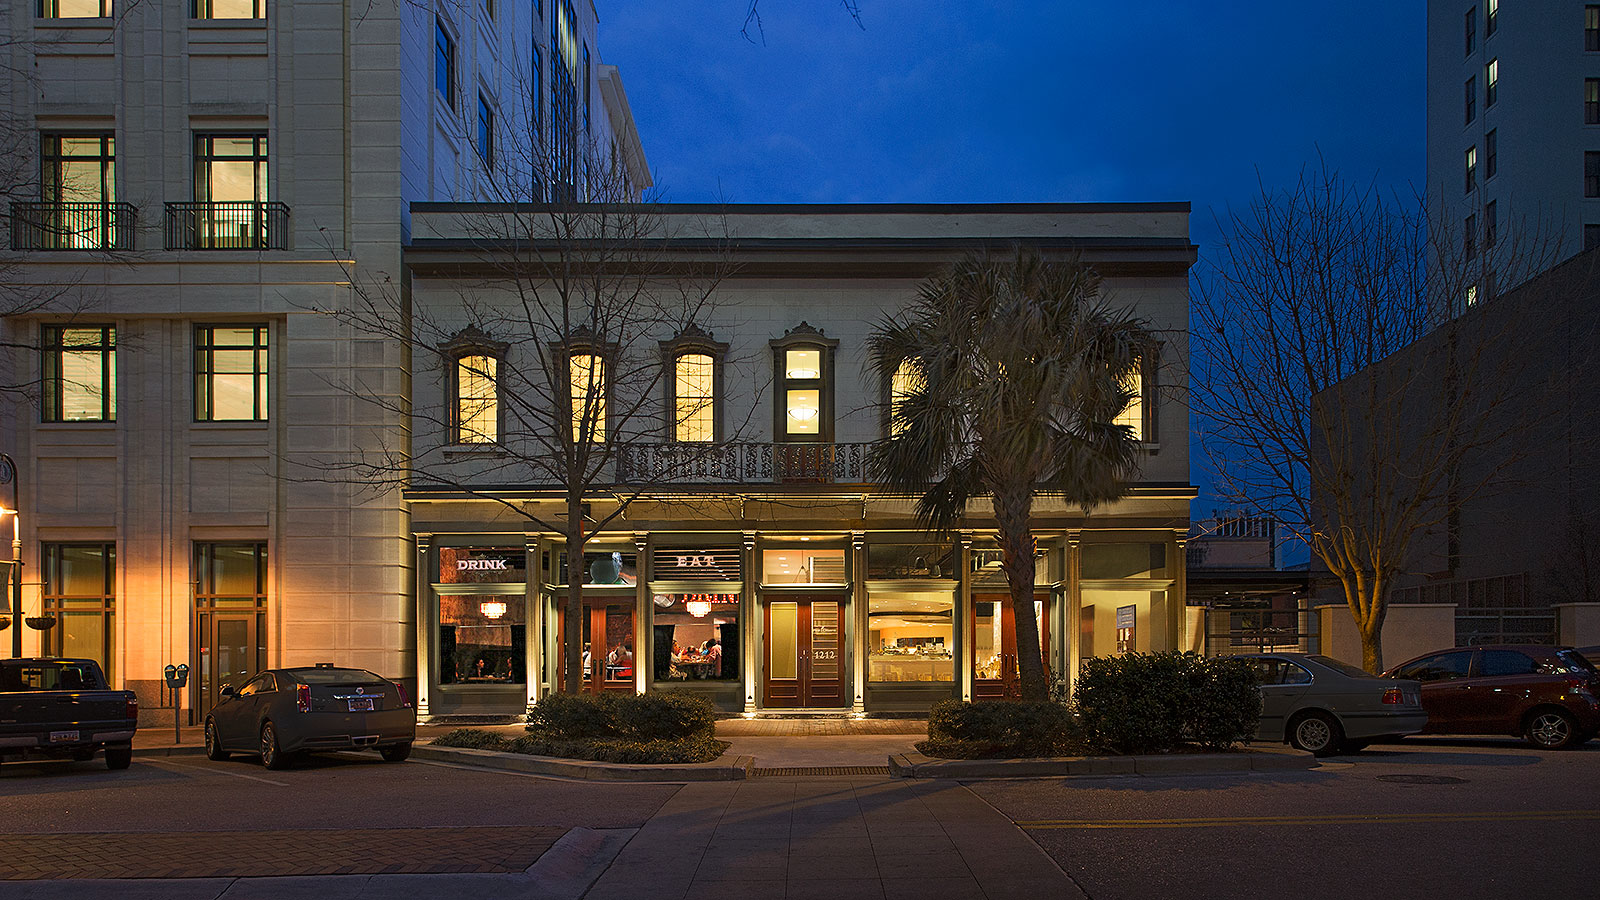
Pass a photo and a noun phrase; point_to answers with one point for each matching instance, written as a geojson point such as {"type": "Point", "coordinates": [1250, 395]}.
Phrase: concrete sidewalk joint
{"type": "Point", "coordinates": [736, 770]}
{"type": "Point", "coordinates": [916, 765]}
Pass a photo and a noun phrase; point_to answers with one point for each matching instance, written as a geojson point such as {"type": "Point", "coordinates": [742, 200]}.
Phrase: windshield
{"type": "Point", "coordinates": [333, 676]}
{"type": "Point", "coordinates": [1341, 667]}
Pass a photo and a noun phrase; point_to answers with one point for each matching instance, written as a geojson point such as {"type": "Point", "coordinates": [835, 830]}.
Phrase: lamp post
{"type": "Point", "coordinates": [9, 472]}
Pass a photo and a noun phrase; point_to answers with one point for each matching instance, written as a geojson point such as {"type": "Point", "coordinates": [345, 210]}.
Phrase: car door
{"type": "Point", "coordinates": [1501, 684]}
{"type": "Point", "coordinates": [1444, 694]}
{"type": "Point", "coordinates": [233, 716]}
{"type": "Point", "coordinates": [1283, 684]}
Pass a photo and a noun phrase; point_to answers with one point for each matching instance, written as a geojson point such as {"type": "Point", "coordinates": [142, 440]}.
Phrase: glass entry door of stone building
{"type": "Point", "coordinates": [804, 654]}
{"type": "Point", "coordinates": [608, 651]}
{"type": "Point", "coordinates": [228, 653]}
{"type": "Point", "coordinates": [996, 674]}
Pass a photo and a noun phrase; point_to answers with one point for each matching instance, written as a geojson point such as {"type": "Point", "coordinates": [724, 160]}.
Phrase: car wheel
{"type": "Point", "coordinates": [1552, 729]}
{"type": "Point", "coordinates": [119, 757]}
{"type": "Point", "coordinates": [1316, 733]}
{"type": "Point", "coordinates": [396, 752]}
{"type": "Point", "coordinates": [271, 756]}
{"type": "Point", "coordinates": [214, 742]}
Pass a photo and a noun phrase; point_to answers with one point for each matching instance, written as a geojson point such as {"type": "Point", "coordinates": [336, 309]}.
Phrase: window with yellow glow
{"type": "Point", "coordinates": [804, 412]}
{"type": "Point", "coordinates": [588, 397]}
{"type": "Point", "coordinates": [905, 380]}
{"type": "Point", "coordinates": [1132, 415]}
{"type": "Point", "coordinates": [477, 400]}
{"type": "Point", "coordinates": [694, 398]}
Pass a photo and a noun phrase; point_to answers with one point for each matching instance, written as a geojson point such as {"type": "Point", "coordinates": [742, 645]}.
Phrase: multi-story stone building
{"type": "Point", "coordinates": [758, 562]}
{"type": "Point", "coordinates": [212, 176]}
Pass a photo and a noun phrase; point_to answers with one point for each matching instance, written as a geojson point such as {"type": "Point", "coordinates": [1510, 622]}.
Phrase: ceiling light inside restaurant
{"type": "Point", "coordinates": [698, 608]}
{"type": "Point", "coordinates": [492, 609]}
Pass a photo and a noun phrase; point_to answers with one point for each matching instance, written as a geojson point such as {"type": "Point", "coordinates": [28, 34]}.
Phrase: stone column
{"type": "Point", "coordinates": [858, 602]}
{"type": "Point", "coordinates": [643, 654]}
{"type": "Point", "coordinates": [1072, 579]}
{"type": "Point", "coordinates": [427, 615]}
{"type": "Point", "coordinates": [963, 612]}
{"type": "Point", "coordinates": [532, 617]}
{"type": "Point", "coordinates": [750, 621]}
{"type": "Point", "coordinates": [1178, 594]}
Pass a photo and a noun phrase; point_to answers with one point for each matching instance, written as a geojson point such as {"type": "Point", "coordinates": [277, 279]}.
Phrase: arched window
{"type": "Point", "coordinates": [472, 386]}
{"type": "Point", "coordinates": [803, 375]}
{"type": "Point", "coordinates": [588, 394]}
{"type": "Point", "coordinates": [694, 398]}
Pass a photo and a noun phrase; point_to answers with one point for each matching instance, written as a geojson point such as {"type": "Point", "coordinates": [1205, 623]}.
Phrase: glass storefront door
{"type": "Point", "coordinates": [229, 652]}
{"type": "Point", "coordinates": [804, 654]}
{"type": "Point", "coordinates": [608, 650]}
{"type": "Point", "coordinates": [995, 672]}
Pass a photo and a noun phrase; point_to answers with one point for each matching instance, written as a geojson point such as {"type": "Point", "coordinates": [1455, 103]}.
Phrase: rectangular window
{"type": "Point", "coordinates": [230, 178]}
{"type": "Point", "coordinates": [485, 132]}
{"type": "Point", "coordinates": [80, 590]}
{"type": "Point", "coordinates": [694, 398]}
{"type": "Point", "coordinates": [482, 639]}
{"type": "Point", "coordinates": [1490, 224]}
{"type": "Point", "coordinates": [1469, 237]}
{"type": "Point", "coordinates": [1472, 295]}
{"type": "Point", "coordinates": [1472, 99]}
{"type": "Point", "coordinates": [802, 566]}
{"type": "Point", "coordinates": [806, 410]}
{"type": "Point", "coordinates": [1491, 153]}
{"type": "Point", "coordinates": [1132, 415]}
{"type": "Point", "coordinates": [588, 395]}
{"type": "Point", "coordinates": [1472, 169]}
{"type": "Point", "coordinates": [1472, 29]}
{"type": "Point", "coordinates": [1591, 237]}
{"type": "Point", "coordinates": [1493, 12]}
{"type": "Point", "coordinates": [230, 373]}
{"type": "Point", "coordinates": [1591, 174]}
{"type": "Point", "coordinates": [74, 9]}
{"type": "Point", "coordinates": [230, 9]}
{"type": "Point", "coordinates": [80, 373]}
{"type": "Point", "coordinates": [1591, 101]}
{"type": "Point", "coordinates": [1491, 83]}
{"type": "Point", "coordinates": [77, 182]}
{"type": "Point", "coordinates": [1591, 28]}
{"type": "Point", "coordinates": [911, 637]}
{"type": "Point", "coordinates": [444, 64]}
{"type": "Point", "coordinates": [477, 413]}
{"type": "Point", "coordinates": [905, 382]}
{"type": "Point", "coordinates": [696, 637]}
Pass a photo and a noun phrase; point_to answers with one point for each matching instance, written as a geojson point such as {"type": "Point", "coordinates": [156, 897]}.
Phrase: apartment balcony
{"type": "Point", "coordinates": [73, 226]}
{"type": "Point", "coordinates": [239, 225]}
{"type": "Point", "coordinates": [746, 463]}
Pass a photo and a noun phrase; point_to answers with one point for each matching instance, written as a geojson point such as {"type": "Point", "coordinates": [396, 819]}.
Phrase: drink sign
{"type": "Point", "coordinates": [482, 565]}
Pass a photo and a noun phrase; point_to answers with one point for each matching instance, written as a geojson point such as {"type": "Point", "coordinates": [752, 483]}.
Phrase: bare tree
{"type": "Point", "coordinates": [1356, 375]}
{"type": "Point", "coordinates": [752, 19]}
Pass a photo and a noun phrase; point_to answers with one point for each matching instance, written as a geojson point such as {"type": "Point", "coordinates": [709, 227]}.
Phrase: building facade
{"type": "Point", "coordinates": [201, 183]}
{"type": "Point", "coordinates": [769, 572]}
{"type": "Point", "coordinates": [1513, 119]}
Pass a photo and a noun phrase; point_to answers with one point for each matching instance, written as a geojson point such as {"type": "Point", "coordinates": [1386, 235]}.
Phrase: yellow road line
{"type": "Point", "coordinates": [1554, 815]}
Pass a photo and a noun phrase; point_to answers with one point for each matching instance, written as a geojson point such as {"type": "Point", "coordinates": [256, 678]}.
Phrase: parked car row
{"type": "Point", "coordinates": [1550, 696]}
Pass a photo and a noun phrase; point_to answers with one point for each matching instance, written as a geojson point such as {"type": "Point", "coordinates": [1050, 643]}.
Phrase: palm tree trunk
{"type": "Point", "coordinates": [1013, 508]}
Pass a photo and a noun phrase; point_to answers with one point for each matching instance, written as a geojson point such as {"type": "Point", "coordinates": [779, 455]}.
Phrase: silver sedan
{"type": "Point", "coordinates": [1319, 704]}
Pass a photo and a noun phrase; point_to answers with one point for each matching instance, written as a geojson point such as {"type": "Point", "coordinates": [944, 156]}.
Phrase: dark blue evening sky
{"type": "Point", "coordinates": [1022, 101]}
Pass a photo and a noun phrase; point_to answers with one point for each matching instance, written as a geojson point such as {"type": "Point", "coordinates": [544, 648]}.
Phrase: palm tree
{"type": "Point", "coordinates": [1012, 373]}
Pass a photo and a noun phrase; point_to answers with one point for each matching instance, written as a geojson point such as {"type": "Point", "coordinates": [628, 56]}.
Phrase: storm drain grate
{"type": "Point", "coordinates": [821, 770]}
{"type": "Point", "coordinates": [1422, 779]}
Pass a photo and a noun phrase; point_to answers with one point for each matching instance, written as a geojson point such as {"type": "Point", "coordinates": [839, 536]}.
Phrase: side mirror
{"type": "Point", "coordinates": [227, 690]}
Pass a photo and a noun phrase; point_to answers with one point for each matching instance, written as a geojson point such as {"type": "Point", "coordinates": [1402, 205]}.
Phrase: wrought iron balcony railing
{"type": "Point", "coordinates": [794, 463]}
{"type": "Point", "coordinates": [242, 225]}
{"type": "Point", "coordinates": [72, 226]}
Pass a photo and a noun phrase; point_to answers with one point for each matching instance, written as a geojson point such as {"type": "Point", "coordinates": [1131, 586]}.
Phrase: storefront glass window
{"type": "Point", "coordinates": [696, 637]}
{"type": "Point", "coordinates": [605, 568]}
{"type": "Point", "coordinates": [910, 637]}
{"type": "Point", "coordinates": [482, 639]}
{"type": "Point", "coordinates": [994, 639]}
{"type": "Point", "coordinates": [1110, 561]}
{"type": "Point", "coordinates": [986, 562]}
{"type": "Point", "coordinates": [911, 561]}
{"type": "Point", "coordinates": [802, 566]}
{"type": "Point", "coordinates": [483, 565]}
{"type": "Point", "coordinates": [80, 589]}
{"type": "Point", "coordinates": [1116, 622]}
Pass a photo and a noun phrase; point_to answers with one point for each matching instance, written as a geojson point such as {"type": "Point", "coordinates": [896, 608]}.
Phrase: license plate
{"type": "Point", "coordinates": [57, 737]}
{"type": "Point", "coordinates": [361, 704]}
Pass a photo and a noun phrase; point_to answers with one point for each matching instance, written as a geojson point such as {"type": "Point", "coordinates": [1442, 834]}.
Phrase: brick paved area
{"type": "Point", "coordinates": [786, 727]}
{"type": "Point", "coordinates": [265, 853]}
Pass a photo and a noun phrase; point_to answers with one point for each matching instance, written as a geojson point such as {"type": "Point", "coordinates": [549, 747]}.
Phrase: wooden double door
{"type": "Point", "coordinates": [996, 673]}
{"type": "Point", "coordinates": [804, 665]}
{"type": "Point", "coordinates": [609, 654]}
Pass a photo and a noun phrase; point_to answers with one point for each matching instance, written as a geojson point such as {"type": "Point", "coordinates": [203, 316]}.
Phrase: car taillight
{"type": "Point", "coordinates": [302, 697]}
{"type": "Point", "coordinates": [1392, 695]}
{"type": "Point", "coordinates": [133, 708]}
{"type": "Point", "coordinates": [405, 700]}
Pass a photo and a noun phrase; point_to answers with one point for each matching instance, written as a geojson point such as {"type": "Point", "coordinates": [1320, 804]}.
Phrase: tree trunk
{"type": "Point", "coordinates": [1013, 509]}
{"type": "Point", "coordinates": [572, 630]}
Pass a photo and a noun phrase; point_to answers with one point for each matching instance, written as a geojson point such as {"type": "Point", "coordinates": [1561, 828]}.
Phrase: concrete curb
{"type": "Point", "coordinates": [915, 765]}
{"type": "Point", "coordinates": [180, 750]}
{"type": "Point", "coordinates": [587, 770]}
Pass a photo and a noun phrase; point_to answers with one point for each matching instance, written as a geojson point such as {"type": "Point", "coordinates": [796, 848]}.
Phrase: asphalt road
{"type": "Point", "coordinates": [1450, 818]}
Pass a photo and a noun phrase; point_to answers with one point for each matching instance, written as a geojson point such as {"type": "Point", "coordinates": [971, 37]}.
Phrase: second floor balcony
{"type": "Point", "coordinates": [233, 225]}
{"type": "Point", "coordinates": [743, 463]}
{"type": "Point", "coordinates": [73, 226]}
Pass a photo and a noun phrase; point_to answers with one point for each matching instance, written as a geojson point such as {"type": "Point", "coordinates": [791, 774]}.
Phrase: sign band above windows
{"type": "Point", "coordinates": [483, 565]}
{"type": "Point", "coordinates": [717, 564]}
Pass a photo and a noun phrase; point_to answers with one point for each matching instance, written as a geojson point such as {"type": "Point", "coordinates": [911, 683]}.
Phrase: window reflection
{"type": "Point", "coordinates": [481, 639]}
{"type": "Point", "coordinates": [696, 637]}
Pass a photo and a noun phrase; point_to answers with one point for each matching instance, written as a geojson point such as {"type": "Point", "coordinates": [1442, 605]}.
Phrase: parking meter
{"type": "Point", "coordinates": [177, 676]}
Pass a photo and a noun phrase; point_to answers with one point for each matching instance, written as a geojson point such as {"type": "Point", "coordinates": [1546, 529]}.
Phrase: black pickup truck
{"type": "Point", "coordinates": [63, 709]}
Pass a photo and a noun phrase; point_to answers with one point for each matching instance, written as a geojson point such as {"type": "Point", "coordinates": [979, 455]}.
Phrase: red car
{"type": "Point", "coordinates": [1549, 695]}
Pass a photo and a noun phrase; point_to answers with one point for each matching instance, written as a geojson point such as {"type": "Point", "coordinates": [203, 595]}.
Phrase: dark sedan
{"type": "Point", "coordinates": [1546, 694]}
{"type": "Point", "coordinates": [281, 712]}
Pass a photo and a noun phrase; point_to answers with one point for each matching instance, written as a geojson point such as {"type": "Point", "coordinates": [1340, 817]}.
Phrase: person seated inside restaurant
{"type": "Point", "coordinates": [619, 662]}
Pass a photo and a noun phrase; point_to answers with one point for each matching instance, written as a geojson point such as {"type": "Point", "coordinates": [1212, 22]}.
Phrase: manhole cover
{"type": "Point", "coordinates": [1421, 779]}
{"type": "Point", "coordinates": [822, 770]}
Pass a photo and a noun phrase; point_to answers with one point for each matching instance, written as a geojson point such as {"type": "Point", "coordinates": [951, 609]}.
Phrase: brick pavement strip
{"type": "Point", "coordinates": [210, 854]}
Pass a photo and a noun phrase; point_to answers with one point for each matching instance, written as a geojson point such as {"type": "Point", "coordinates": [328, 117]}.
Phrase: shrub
{"type": "Point", "coordinates": [572, 716]}
{"type": "Point", "coordinates": [668, 715]}
{"type": "Point", "coordinates": [617, 750]}
{"type": "Point", "coordinates": [998, 728]}
{"type": "Point", "coordinates": [1153, 702]}
{"type": "Point", "coordinates": [471, 739]}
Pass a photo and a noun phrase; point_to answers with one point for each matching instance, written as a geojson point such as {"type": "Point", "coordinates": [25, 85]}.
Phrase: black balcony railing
{"type": "Point", "coordinates": [243, 225]}
{"type": "Point", "coordinates": [73, 226]}
{"type": "Point", "coordinates": [795, 463]}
